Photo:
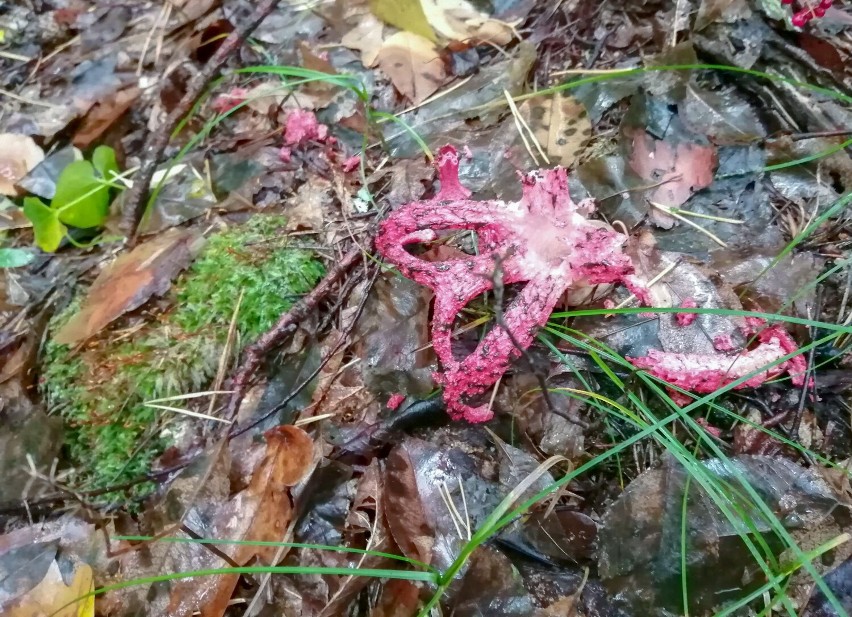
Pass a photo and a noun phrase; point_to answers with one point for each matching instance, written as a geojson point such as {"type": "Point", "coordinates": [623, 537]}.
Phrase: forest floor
{"type": "Point", "coordinates": [408, 307]}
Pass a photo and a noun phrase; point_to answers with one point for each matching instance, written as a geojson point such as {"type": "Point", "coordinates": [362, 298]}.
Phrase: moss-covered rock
{"type": "Point", "coordinates": [99, 391]}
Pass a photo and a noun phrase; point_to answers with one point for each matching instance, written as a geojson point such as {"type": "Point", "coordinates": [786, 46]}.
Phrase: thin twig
{"type": "Point", "coordinates": [287, 324]}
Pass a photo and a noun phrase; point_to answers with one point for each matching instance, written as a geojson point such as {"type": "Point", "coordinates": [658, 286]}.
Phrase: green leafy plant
{"type": "Point", "coordinates": [81, 200]}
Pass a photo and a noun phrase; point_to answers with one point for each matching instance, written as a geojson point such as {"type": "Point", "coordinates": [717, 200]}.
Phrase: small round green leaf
{"type": "Point", "coordinates": [103, 158]}
{"type": "Point", "coordinates": [81, 198]}
{"type": "Point", "coordinates": [46, 226]}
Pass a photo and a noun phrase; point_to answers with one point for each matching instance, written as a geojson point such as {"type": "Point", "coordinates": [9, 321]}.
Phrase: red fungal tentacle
{"type": "Point", "coordinates": [448, 173]}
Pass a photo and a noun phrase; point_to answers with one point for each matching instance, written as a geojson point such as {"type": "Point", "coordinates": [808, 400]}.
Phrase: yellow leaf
{"type": "Point", "coordinates": [561, 125]}
{"type": "Point", "coordinates": [53, 597]}
{"type": "Point", "coordinates": [404, 14]}
{"type": "Point", "coordinates": [413, 64]}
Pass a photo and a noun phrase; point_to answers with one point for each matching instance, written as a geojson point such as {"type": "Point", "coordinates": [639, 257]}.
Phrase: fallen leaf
{"type": "Point", "coordinates": [400, 598]}
{"type": "Point", "coordinates": [661, 513]}
{"type": "Point", "coordinates": [260, 513]}
{"type": "Point", "coordinates": [53, 597]}
{"type": "Point", "coordinates": [413, 64]}
{"type": "Point", "coordinates": [406, 518]}
{"type": "Point", "coordinates": [129, 282]}
{"type": "Point", "coordinates": [306, 210]}
{"type": "Point", "coordinates": [724, 117]}
{"type": "Point", "coordinates": [561, 125]}
{"type": "Point", "coordinates": [103, 114]}
{"type": "Point", "coordinates": [321, 92]}
{"type": "Point", "coordinates": [677, 170]}
{"type": "Point", "coordinates": [407, 15]}
{"type": "Point", "coordinates": [459, 20]}
{"type": "Point", "coordinates": [18, 155]}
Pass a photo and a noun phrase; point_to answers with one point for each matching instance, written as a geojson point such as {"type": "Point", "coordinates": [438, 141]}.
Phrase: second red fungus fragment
{"type": "Point", "coordinates": [686, 319]}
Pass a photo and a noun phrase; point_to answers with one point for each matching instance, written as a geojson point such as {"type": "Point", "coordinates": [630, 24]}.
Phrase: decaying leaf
{"type": "Point", "coordinates": [676, 170]}
{"type": "Point", "coordinates": [53, 597]}
{"type": "Point", "coordinates": [130, 281]}
{"type": "Point", "coordinates": [643, 532]}
{"type": "Point", "coordinates": [406, 519]}
{"type": "Point", "coordinates": [561, 125]}
{"type": "Point", "coordinates": [18, 155]}
{"type": "Point", "coordinates": [365, 37]}
{"type": "Point", "coordinates": [413, 64]}
{"type": "Point", "coordinates": [103, 114]}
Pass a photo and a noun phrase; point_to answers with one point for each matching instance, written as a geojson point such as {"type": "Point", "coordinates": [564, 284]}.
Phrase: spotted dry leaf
{"type": "Point", "coordinates": [561, 125]}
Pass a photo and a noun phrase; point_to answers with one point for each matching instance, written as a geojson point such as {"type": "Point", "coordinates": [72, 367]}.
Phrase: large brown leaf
{"type": "Point", "coordinates": [262, 512]}
{"type": "Point", "coordinates": [130, 281]}
{"type": "Point", "coordinates": [406, 518]}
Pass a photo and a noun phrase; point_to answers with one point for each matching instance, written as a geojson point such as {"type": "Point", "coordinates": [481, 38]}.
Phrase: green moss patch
{"type": "Point", "coordinates": [111, 436]}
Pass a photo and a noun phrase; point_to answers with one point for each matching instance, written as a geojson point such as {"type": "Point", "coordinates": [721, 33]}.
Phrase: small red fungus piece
{"type": "Point", "coordinates": [686, 319]}
{"type": "Point", "coordinates": [351, 164]}
{"type": "Point", "coordinates": [226, 102]}
{"type": "Point", "coordinates": [723, 342]}
{"type": "Point", "coordinates": [395, 401]}
{"type": "Point", "coordinates": [543, 239]}
{"type": "Point", "coordinates": [302, 125]}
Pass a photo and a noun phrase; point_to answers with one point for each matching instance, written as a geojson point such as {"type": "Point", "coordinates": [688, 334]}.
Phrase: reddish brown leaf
{"type": "Point", "coordinates": [399, 599]}
{"type": "Point", "coordinates": [103, 114]}
{"type": "Point", "coordinates": [262, 512]}
{"type": "Point", "coordinates": [679, 170]}
{"type": "Point", "coordinates": [130, 281]}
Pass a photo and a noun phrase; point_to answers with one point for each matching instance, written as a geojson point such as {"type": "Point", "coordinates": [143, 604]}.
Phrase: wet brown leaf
{"type": "Point", "coordinates": [130, 281]}
{"type": "Point", "coordinates": [561, 125]}
{"type": "Point", "coordinates": [413, 64]}
{"type": "Point", "coordinates": [262, 512]}
{"type": "Point", "coordinates": [399, 598]}
{"type": "Point", "coordinates": [405, 515]}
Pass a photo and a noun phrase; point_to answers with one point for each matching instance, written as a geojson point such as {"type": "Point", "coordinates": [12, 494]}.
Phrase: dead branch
{"type": "Point", "coordinates": [287, 324]}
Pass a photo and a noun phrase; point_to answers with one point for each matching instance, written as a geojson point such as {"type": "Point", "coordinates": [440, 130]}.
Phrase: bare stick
{"type": "Point", "coordinates": [288, 323]}
{"type": "Point", "coordinates": [135, 199]}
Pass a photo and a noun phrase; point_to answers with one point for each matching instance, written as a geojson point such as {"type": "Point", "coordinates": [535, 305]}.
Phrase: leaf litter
{"type": "Point", "coordinates": [120, 356]}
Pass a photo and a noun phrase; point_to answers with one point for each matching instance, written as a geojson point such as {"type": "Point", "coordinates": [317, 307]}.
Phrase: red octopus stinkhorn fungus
{"type": "Point", "coordinates": [543, 239]}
